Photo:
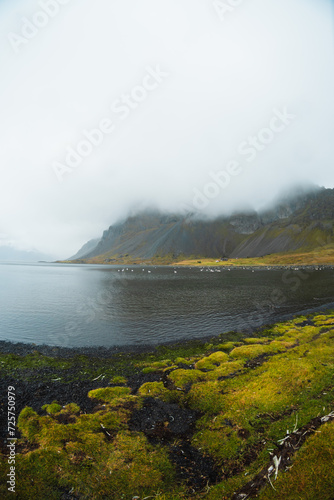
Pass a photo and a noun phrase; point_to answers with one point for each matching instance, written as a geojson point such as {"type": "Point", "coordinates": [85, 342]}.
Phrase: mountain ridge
{"type": "Point", "coordinates": [301, 222]}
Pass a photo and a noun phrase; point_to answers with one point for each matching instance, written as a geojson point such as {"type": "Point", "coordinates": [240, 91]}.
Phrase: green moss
{"type": "Point", "coordinates": [149, 369]}
{"type": "Point", "coordinates": [54, 434]}
{"type": "Point", "coordinates": [224, 370]}
{"type": "Point", "coordinates": [153, 389]}
{"type": "Point", "coordinates": [114, 420]}
{"type": "Point", "coordinates": [183, 361]}
{"type": "Point", "coordinates": [28, 424]}
{"type": "Point", "coordinates": [157, 390]}
{"type": "Point", "coordinates": [223, 444]}
{"type": "Point", "coordinates": [181, 378]}
{"type": "Point", "coordinates": [38, 475]}
{"type": "Point", "coordinates": [311, 475]}
{"type": "Point", "coordinates": [301, 335]}
{"type": "Point", "coordinates": [324, 320]}
{"type": "Point", "coordinates": [147, 468]}
{"type": "Point", "coordinates": [52, 408]}
{"type": "Point", "coordinates": [228, 346]}
{"type": "Point", "coordinates": [72, 409]}
{"type": "Point", "coordinates": [281, 381]}
{"type": "Point", "coordinates": [91, 467]}
{"type": "Point", "coordinates": [118, 380]}
{"type": "Point", "coordinates": [262, 340]}
{"type": "Point", "coordinates": [255, 350]}
{"type": "Point", "coordinates": [207, 397]}
{"type": "Point", "coordinates": [211, 362]}
{"type": "Point", "coordinates": [108, 394]}
{"type": "Point", "coordinates": [157, 366]}
{"type": "Point", "coordinates": [33, 361]}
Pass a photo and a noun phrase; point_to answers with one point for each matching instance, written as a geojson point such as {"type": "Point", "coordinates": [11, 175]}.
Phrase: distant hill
{"type": "Point", "coordinates": [9, 253]}
{"type": "Point", "coordinates": [301, 222]}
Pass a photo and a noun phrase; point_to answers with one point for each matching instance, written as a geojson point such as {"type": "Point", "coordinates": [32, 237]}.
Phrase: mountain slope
{"type": "Point", "coordinates": [86, 248]}
{"type": "Point", "coordinates": [303, 222]}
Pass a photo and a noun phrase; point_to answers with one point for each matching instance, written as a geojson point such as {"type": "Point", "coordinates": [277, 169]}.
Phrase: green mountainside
{"type": "Point", "coordinates": [300, 223]}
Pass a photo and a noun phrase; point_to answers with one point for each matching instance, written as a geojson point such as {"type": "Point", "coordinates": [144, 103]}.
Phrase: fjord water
{"type": "Point", "coordinates": [82, 305]}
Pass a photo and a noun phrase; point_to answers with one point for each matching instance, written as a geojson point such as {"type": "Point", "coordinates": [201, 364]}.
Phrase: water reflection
{"type": "Point", "coordinates": [100, 305]}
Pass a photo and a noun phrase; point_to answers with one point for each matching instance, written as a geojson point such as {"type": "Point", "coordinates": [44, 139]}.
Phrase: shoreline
{"type": "Point", "coordinates": [24, 349]}
{"type": "Point", "coordinates": [174, 403]}
{"type": "Point", "coordinates": [223, 266]}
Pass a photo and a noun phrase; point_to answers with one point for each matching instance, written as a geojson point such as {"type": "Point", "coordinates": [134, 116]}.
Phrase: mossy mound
{"type": "Point", "coordinates": [181, 377]}
{"type": "Point", "coordinates": [212, 362]}
{"type": "Point", "coordinates": [108, 394]}
{"type": "Point", "coordinates": [255, 340]}
{"type": "Point", "coordinates": [256, 350]}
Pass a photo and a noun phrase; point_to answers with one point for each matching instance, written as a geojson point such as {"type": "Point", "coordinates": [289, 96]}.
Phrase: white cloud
{"type": "Point", "coordinates": [225, 80]}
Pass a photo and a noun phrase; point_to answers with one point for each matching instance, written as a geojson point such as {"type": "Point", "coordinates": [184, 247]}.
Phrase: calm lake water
{"type": "Point", "coordinates": [76, 306]}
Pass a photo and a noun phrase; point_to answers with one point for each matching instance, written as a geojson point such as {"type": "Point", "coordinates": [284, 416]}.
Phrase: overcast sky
{"type": "Point", "coordinates": [200, 105]}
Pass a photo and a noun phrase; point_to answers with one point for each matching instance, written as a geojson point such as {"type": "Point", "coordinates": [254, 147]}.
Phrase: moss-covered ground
{"type": "Point", "coordinates": [216, 420]}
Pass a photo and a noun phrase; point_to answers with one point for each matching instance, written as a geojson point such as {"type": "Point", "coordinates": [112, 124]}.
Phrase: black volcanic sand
{"type": "Point", "coordinates": [38, 386]}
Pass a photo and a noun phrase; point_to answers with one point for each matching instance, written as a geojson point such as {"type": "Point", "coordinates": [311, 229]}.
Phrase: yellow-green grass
{"type": "Point", "coordinates": [118, 259]}
{"type": "Point", "coordinates": [319, 256]}
{"type": "Point", "coordinates": [79, 456]}
{"type": "Point", "coordinates": [322, 255]}
{"type": "Point", "coordinates": [312, 473]}
{"type": "Point", "coordinates": [247, 394]}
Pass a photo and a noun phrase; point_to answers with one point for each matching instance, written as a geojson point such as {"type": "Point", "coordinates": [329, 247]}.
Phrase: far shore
{"type": "Point", "coordinates": [321, 257]}
{"type": "Point", "coordinates": [227, 265]}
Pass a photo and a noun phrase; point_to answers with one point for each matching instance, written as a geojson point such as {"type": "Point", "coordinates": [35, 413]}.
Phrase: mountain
{"type": "Point", "coordinates": [9, 253]}
{"type": "Point", "coordinates": [300, 222]}
{"type": "Point", "coordinates": [87, 248]}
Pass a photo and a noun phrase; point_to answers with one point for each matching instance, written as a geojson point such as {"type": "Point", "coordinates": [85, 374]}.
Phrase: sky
{"type": "Point", "coordinates": [203, 106]}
